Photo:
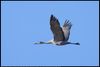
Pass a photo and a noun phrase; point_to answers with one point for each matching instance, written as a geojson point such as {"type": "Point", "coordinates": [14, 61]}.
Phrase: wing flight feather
{"type": "Point", "coordinates": [56, 29]}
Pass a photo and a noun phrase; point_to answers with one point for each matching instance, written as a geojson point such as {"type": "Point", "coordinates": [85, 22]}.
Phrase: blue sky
{"type": "Point", "coordinates": [24, 22]}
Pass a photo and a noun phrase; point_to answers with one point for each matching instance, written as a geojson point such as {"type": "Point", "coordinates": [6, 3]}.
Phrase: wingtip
{"type": "Point", "coordinates": [67, 24]}
{"type": "Point", "coordinates": [52, 15]}
{"type": "Point", "coordinates": [52, 18]}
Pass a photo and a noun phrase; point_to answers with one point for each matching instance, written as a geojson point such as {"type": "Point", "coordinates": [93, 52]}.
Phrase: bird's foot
{"type": "Point", "coordinates": [77, 43]}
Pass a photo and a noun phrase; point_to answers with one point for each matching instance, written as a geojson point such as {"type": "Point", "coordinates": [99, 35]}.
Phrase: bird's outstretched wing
{"type": "Point", "coordinates": [56, 29]}
{"type": "Point", "coordinates": [66, 29]}
{"type": "Point", "coordinates": [67, 24]}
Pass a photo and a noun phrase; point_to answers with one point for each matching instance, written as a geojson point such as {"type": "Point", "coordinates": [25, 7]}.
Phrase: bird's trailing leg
{"type": "Point", "coordinates": [73, 43]}
{"type": "Point", "coordinates": [65, 43]}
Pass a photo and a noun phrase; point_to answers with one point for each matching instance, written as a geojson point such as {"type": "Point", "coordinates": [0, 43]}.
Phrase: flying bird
{"type": "Point", "coordinates": [60, 34]}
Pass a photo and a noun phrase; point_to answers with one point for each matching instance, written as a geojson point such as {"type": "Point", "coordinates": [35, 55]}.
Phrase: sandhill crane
{"type": "Point", "coordinates": [61, 35]}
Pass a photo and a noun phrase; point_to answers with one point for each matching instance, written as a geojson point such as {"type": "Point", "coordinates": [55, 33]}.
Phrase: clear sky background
{"type": "Point", "coordinates": [24, 22]}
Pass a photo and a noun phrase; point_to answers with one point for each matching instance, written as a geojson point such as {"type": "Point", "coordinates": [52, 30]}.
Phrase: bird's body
{"type": "Point", "coordinates": [61, 34]}
{"type": "Point", "coordinates": [54, 42]}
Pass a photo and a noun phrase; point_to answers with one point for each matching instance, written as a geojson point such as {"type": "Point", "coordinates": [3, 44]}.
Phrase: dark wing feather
{"type": "Point", "coordinates": [67, 24]}
{"type": "Point", "coordinates": [56, 29]}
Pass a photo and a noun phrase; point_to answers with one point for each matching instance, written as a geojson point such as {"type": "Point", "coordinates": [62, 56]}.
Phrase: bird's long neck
{"type": "Point", "coordinates": [45, 42]}
{"type": "Point", "coordinates": [41, 42]}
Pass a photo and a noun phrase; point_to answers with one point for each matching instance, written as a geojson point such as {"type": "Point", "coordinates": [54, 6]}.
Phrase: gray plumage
{"type": "Point", "coordinates": [60, 34]}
